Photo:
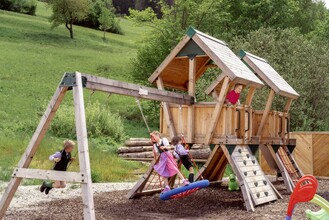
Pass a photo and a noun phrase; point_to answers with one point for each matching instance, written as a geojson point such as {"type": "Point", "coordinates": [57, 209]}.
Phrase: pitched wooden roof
{"type": "Point", "coordinates": [174, 70]}
{"type": "Point", "coordinates": [266, 72]}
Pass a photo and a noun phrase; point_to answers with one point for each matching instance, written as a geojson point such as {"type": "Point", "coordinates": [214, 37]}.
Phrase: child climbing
{"type": "Point", "coordinates": [181, 153]}
{"type": "Point", "coordinates": [167, 166]}
{"type": "Point", "coordinates": [61, 159]}
{"type": "Point", "coordinates": [233, 96]}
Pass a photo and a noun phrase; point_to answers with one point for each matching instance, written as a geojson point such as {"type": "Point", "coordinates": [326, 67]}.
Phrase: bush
{"type": "Point", "coordinates": [101, 123]}
{"type": "Point", "coordinates": [20, 6]}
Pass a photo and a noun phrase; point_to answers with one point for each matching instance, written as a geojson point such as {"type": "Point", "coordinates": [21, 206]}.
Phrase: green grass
{"type": "Point", "coordinates": [33, 59]}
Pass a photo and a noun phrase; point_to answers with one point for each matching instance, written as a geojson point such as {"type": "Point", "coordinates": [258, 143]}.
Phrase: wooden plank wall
{"type": "Point", "coordinates": [311, 153]}
{"type": "Point", "coordinates": [203, 115]}
{"type": "Point", "coordinates": [320, 154]}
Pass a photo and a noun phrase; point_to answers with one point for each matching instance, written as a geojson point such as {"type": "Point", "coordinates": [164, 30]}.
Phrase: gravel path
{"type": "Point", "coordinates": [27, 196]}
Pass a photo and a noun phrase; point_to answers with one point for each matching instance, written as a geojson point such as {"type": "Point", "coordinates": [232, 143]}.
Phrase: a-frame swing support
{"type": "Point", "coordinates": [77, 81]}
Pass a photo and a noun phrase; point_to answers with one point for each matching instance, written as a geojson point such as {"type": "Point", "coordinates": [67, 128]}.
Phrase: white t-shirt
{"type": "Point", "coordinates": [165, 143]}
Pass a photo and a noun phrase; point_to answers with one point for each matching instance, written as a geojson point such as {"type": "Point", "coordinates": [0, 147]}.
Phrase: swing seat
{"type": "Point", "coordinates": [183, 191]}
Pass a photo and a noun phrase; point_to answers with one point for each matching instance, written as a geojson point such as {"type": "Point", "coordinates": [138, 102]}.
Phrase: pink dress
{"type": "Point", "coordinates": [167, 165]}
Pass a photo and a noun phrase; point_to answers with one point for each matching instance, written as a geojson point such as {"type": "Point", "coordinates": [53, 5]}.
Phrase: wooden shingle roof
{"type": "Point", "coordinates": [174, 70]}
{"type": "Point", "coordinates": [266, 72]}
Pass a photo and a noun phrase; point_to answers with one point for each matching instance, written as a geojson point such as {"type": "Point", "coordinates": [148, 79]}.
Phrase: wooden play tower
{"type": "Point", "coordinates": [234, 133]}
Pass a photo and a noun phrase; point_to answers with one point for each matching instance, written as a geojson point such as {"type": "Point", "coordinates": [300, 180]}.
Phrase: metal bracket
{"type": "Point", "coordinates": [276, 148]}
{"type": "Point", "coordinates": [230, 148]}
{"type": "Point", "coordinates": [69, 80]}
{"type": "Point", "coordinates": [253, 148]}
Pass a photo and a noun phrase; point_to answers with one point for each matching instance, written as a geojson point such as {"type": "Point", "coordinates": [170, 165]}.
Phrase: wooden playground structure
{"type": "Point", "coordinates": [234, 133]}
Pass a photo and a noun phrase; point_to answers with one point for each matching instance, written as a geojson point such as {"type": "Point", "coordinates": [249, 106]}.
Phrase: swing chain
{"type": "Point", "coordinates": [143, 116]}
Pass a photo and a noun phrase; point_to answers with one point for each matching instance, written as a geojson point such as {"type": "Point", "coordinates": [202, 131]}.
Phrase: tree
{"type": "Point", "coordinates": [68, 11]}
{"type": "Point", "coordinates": [301, 60]}
{"type": "Point", "coordinates": [303, 63]}
{"type": "Point", "coordinates": [106, 20]}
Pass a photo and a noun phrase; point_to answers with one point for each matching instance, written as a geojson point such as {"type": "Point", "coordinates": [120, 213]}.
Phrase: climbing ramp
{"type": "Point", "coordinates": [149, 183]}
{"type": "Point", "coordinates": [213, 170]}
{"type": "Point", "coordinates": [255, 186]}
{"type": "Point", "coordinates": [288, 166]}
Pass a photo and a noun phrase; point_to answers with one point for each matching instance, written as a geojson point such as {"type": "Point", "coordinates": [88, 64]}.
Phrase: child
{"type": "Point", "coordinates": [166, 167]}
{"type": "Point", "coordinates": [61, 159]}
{"type": "Point", "coordinates": [233, 96]}
{"type": "Point", "coordinates": [181, 153]}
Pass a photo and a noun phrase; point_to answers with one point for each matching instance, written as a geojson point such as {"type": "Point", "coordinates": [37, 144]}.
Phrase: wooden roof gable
{"type": "Point", "coordinates": [266, 72]}
{"type": "Point", "coordinates": [174, 70]}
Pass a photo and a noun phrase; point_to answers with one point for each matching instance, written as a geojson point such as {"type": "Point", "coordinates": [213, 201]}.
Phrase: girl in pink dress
{"type": "Point", "coordinates": [167, 166]}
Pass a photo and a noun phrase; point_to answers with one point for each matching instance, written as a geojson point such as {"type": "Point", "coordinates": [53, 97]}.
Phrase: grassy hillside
{"type": "Point", "coordinates": [33, 58]}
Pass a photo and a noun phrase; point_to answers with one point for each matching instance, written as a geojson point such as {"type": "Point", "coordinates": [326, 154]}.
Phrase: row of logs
{"type": "Point", "coordinates": [141, 149]}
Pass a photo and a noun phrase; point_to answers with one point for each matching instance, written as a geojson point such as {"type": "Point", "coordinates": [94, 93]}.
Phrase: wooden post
{"type": "Point", "coordinates": [191, 92]}
{"type": "Point", "coordinates": [216, 113]}
{"type": "Point", "coordinates": [166, 111]}
{"type": "Point", "coordinates": [284, 122]}
{"type": "Point", "coordinates": [266, 111]}
{"type": "Point", "coordinates": [250, 96]}
{"type": "Point", "coordinates": [288, 104]}
{"type": "Point", "coordinates": [32, 147]}
{"type": "Point", "coordinates": [84, 162]}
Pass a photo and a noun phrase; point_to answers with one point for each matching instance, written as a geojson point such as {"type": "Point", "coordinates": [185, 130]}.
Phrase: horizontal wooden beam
{"type": "Point", "coordinates": [76, 177]}
{"type": "Point", "coordinates": [123, 88]}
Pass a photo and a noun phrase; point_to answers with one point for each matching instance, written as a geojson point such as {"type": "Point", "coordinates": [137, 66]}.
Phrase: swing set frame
{"type": "Point", "coordinates": [77, 82]}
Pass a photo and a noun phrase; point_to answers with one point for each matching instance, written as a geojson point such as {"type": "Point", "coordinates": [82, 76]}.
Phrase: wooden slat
{"type": "Point", "coordinates": [191, 92]}
{"type": "Point", "coordinates": [266, 111]}
{"type": "Point", "coordinates": [287, 106]}
{"type": "Point", "coordinates": [84, 161]}
{"type": "Point", "coordinates": [166, 111]}
{"type": "Point", "coordinates": [168, 59]}
{"type": "Point", "coordinates": [250, 95]}
{"type": "Point", "coordinates": [128, 89]}
{"type": "Point", "coordinates": [32, 147]}
{"type": "Point", "coordinates": [77, 177]}
{"type": "Point", "coordinates": [217, 110]}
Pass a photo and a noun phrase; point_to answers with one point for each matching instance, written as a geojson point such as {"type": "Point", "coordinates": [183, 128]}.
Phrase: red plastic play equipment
{"type": "Point", "coordinates": [304, 192]}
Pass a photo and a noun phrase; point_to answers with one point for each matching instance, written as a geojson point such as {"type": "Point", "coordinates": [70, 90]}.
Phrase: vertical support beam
{"type": "Point", "coordinates": [32, 147]}
{"type": "Point", "coordinates": [284, 122]}
{"type": "Point", "coordinates": [191, 92]}
{"type": "Point", "coordinates": [81, 129]}
{"type": "Point", "coordinates": [288, 104]}
{"type": "Point", "coordinates": [216, 113]}
{"type": "Point", "coordinates": [166, 111]}
{"type": "Point", "coordinates": [266, 111]}
{"type": "Point", "coordinates": [250, 96]}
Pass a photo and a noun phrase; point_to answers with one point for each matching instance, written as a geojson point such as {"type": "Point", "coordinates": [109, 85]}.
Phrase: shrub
{"type": "Point", "coordinates": [21, 6]}
{"type": "Point", "coordinates": [101, 123]}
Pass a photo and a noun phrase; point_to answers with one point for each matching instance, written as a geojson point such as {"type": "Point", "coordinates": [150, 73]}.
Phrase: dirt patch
{"type": "Point", "coordinates": [210, 203]}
